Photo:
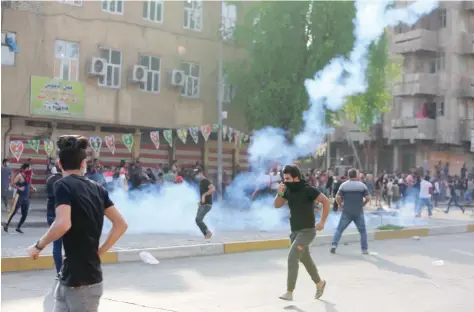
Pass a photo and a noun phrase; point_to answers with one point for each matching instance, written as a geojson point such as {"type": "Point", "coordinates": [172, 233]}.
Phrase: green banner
{"type": "Point", "coordinates": [56, 97]}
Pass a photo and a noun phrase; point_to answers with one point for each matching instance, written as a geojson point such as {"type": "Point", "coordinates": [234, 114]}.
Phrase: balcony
{"type": "Point", "coordinates": [466, 87]}
{"type": "Point", "coordinates": [468, 5]}
{"type": "Point", "coordinates": [466, 44]}
{"type": "Point", "coordinates": [415, 40]}
{"type": "Point", "coordinates": [413, 129]}
{"type": "Point", "coordinates": [466, 128]}
{"type": "Point", "coordinates": [350, 131]}
{"type": "Point", "coordinates": [417, 84]}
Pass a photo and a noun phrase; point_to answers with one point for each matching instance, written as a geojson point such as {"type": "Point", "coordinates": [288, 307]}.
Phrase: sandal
{"type": "Point", "coordinates": [320, 291]}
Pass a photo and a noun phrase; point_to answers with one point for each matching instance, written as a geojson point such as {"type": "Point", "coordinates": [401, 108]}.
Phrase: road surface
{"type": "Point", "coordinates": [400, 278]}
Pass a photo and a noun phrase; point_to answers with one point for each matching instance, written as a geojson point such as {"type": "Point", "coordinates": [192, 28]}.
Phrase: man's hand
{"type": "Point", "coordinates": [281, 188]}
{"type": "Point", "coordinates": [320, 226]}
{"type": "Point", "coordinates": [203, 199]}
{"type": "Point", "coordinates": [33, 252]}
{"type": "Point", "coordinates": [33, 188]}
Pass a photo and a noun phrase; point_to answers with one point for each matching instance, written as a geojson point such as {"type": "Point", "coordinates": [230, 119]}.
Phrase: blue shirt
{"type": "Point", "coordinates": [353, 193]}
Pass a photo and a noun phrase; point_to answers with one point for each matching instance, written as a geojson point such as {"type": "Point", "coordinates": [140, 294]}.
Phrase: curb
{"type": "Point", "coordinates": [19, 264]}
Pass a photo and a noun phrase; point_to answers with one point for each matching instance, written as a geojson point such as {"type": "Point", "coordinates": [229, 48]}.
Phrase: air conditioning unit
{"type": "Point", "coordinates": [138, 73]}
{"type": "Point", "coordinates": [97, 66]}
{"type": "Point", "coordinates": [177, 78]}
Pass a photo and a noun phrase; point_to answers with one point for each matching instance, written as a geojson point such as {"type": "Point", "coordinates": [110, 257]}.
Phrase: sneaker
{"type": "Point", "coordinates": [333, 250]}
{"type": "Point", "coordinates": [208, 235]}
{"type": "Point", "coordinates": [320, 290]}
{"type": "Point", "coordinates": [19, 230]}
{"type": "Point", "coordinates": [365, 252]}
{"type": "Point", "coordinates": [288, 296]}
{"type": "Point", "coordinates": [5, 228]}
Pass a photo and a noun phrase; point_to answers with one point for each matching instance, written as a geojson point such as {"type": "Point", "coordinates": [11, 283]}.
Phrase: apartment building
{"type": "Point", "coordinates": [432, 115]}
{"type": "Point", "coordinates": [121, 67]}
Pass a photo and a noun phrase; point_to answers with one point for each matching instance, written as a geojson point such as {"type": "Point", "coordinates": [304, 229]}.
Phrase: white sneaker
{"type": "Point", "coordinates": [288, 296]}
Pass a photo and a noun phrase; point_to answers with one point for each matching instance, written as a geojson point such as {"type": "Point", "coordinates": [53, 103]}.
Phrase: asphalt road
{"type": "Point", "coordinates": [400, 277]}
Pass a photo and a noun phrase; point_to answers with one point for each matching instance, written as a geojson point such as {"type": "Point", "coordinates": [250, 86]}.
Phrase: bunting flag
{"type": "Point", "coordinates": [206, 131]}
{"type": "Point", "coordinates": [215, 127]}
{"type": "Point", "coordinates": [224, 132]}
{"type": "Point", "coordinates": [194, 132]}
{"type": "Point", "coordinates": [230, 134]}
{"type": "Point", "coordinates": [236, 138]}
{"type": "Point", "coordinates": [49, 147]}
{"type": "Point", "coordinates": [34, 144]}
{"type": "Point", "coordinates": [110, 143]}
{"type": "Point", "coordinates": [127, 140]}
{"type": "Point", "coordinates": [168, 135]}
{"type": "Point", "coordinates": [182, 134]}
{"type": "Point", "coordinates": [17, 147]}
{"type": "Point", "coordinates": [95, 143]}
{"type": "Point", "coordinates": [155, 138]}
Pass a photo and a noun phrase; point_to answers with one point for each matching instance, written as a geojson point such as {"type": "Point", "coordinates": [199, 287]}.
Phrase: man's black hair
{"type": "Point", "coordinates": [4, 161]}
{"type": "Point", "coordinates": [352, 173]}
{"type": "Point", "coordinates": [72, 151]}
{"type": "Point", "coordinates": [293, 171]}
{"type": "Point", "coordinates": [25, 166]}
{"type": "Point", "coordinates": [166, 169]}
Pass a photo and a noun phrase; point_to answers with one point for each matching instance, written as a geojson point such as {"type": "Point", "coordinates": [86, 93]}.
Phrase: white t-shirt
{"type": "Point", "coordinates": [425, 189]}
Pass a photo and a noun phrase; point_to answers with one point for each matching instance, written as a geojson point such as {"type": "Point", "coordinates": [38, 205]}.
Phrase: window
{"type": "Point", "coordinates": [112, 76]}
{"type": "Point", "coordinates": [72, 2]}
{"type": "Point", "coordinates": [442, 16]}
{"type": "Point", "coordinates": [66, 60]}
{"type": "Point", "coordinates": [192, 14]}
{"type": "Point", "coordinates": [8, 56]}
{"type": "Point", "coordinates": [153, 64]}
{"type": "Point", "coordinates": [437, 64]}
{"type": "Point", "coordinates": [229, 18]}
{"type": "Point", "coordinates": [112, 6]}
{"type": "Point", "coordinates": [191, 80]}
{"type": "Point", "coordinates": [228, 92]}
{"type": "Point", "coordinates": [153, 10]}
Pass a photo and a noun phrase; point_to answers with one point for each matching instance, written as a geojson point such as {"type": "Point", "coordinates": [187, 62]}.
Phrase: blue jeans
{"type": "Point", "coordinates": [421, 203]}
{"type": "Point", "coordinates": [57, 249]}
{"type": "Point", "coordinates": [344, 222]}
{"type": "Point", "coordinates": [468, 195]}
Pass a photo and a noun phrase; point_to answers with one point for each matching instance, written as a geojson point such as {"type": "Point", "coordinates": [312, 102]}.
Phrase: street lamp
{"type": "Point", "coordinates": [219, 109]}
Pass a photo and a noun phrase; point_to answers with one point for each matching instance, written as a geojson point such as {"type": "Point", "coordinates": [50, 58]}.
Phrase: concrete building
{"type": "Point", "coordinates": [432, 115]}
{"type": "Point", "coordinates": [128, 67]}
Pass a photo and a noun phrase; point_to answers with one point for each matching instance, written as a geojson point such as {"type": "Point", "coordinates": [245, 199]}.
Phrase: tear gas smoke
{"type": "Point", "coordinates": [173, 210]}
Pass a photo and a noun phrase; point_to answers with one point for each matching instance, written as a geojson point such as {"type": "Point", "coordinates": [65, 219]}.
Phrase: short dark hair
{"type": "Point", "coordinates": [25, 166]}
{"type": "Point", "coordinates": [72, 151]}
{"type": "Point", "coordinates": [4, 161]}
{"type": "Point", "coordinates": [352, 173]}
{"type": "Point", "coordinates": [292, 170]}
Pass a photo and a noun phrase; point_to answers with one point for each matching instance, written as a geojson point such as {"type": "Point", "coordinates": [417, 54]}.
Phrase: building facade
{"type": "Point", "coordinates": [432, 114]}
{"type": "Point", "coordinates": [120, 67]}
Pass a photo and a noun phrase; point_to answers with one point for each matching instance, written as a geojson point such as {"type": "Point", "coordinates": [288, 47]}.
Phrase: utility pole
{"type": "Point", "coordinates": [219, 109]}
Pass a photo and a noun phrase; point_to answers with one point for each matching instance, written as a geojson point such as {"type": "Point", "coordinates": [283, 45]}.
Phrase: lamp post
{"type": "Point", "coordinates": [219, 110]}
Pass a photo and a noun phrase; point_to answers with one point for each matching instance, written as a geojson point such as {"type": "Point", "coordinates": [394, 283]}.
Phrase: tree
{"type": "Point", "coordinates": [285, 43]}
{"type": "Point", "coordinates": [383, 71]}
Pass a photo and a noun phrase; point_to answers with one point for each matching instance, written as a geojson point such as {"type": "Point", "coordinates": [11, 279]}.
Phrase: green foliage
{"type": "Point", "coordinates": [383, 70]}
{"type": "Point", "coordinates": [285, 43]}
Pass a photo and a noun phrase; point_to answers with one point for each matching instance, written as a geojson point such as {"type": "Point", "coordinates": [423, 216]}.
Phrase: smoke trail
{"type": "Point", "coordinates": [174, 209]}
{"type": "Point", "coordinates": [331, 86]}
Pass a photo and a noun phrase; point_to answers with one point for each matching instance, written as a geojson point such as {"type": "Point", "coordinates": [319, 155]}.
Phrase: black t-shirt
{"type": "Point", "coordinates": [203, 188]}
{"type": "Point", "coordinates": [301, 207]}
{"type": "Point", "coordinates": [88, 201]}
{"type": "Point", "coordinates": [50, 206]}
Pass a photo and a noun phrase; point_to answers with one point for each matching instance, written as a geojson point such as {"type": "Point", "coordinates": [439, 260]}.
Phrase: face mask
{"type": "Point", "coordinates": [7, 164]}
{"type": "Point", "coordinates": [197, 178]}
{"type": "Point", "coordinates": [293, 186]}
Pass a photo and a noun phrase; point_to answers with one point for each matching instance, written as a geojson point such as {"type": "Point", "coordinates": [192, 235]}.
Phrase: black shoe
{"type": "Point", "coordinates": [333, 250]}
{"type": "Point", "coordinates": [19, 230]}
{"type": "Point", "coordinates": [5, 228]}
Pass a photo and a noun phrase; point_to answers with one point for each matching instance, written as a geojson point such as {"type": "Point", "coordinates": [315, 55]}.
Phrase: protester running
{"type": "Point", "coordinates": [206, 189]}
{"type": "Point", "coordinates": [352, 196]}
{"type": "Point", "coordinates": [21, 200]}
{"type": "Point", "coordinates": [301, 198]}
{"type": "Point", "coordinates": [80, 208]}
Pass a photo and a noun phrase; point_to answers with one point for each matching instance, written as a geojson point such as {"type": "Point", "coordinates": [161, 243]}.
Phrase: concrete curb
{"type": "Point", "coordinates": [18, 264]}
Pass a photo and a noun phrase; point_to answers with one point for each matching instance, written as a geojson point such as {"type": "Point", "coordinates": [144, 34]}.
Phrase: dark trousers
{"type": "Point", "coordinates": [346, 219]}
{"type": "Point", "coordinates": [57, 249]}
{"type": "Point", "coordinates": [22, 204]}
{"type": "Point", "coordinates": [201, 213]}
{"type": "Point", "coordinates": [453, 201]}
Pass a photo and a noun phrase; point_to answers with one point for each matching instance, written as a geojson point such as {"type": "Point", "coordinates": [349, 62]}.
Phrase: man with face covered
{"type": "Point", "coordinates": [300, 197]}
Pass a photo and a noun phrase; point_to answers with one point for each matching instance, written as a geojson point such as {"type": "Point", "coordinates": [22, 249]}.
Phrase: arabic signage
{"type": "Point", "coordinates": [56, 97]}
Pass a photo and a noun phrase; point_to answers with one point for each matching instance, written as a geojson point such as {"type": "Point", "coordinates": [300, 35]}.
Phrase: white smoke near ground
{"type": "Point", "coordinates": [173, 210]}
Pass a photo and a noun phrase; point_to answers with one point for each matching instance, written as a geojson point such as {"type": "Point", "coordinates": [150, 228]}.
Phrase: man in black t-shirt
{"type": "Point", "coordinates": [205, 203]}
{"type": "Point", "coordinates": [300, 197]}
{"type": "Point", "coordinates": [80, 208]}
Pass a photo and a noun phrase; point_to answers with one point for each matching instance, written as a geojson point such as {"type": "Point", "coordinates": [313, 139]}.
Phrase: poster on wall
{"type": "Point", "coordinates": [472, 140]}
